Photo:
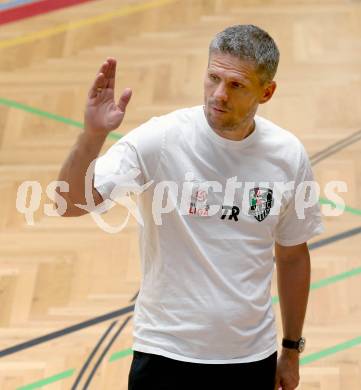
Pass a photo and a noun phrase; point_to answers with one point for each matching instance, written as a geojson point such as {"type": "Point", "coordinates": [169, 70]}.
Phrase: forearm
{"type": "Point", "coordinates": [293, 279]}
{"type": "Point", "coordinates": [74, 169]}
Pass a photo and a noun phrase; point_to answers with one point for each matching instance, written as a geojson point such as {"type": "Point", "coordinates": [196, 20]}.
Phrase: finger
{"type": "Point", "coordinates": [111, 73]}
{"type": "Point", "coordinates": [277, 383]}
{"type": "Point", "coordinates": [107, 70]}
{"type": "Point", "coordinates": [103, 68]}
{"type": "Point", "coordinates": [99, 82]}
{"type": "Point", "coordinates": [124, 99]}
{"type": "Point", "coordinates": [107, 73]}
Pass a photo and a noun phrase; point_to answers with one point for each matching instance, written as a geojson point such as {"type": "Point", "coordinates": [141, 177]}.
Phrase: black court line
{"type": "Point", "coordinates": [336, 147]}
{"type": "Point", "coordinates": [317, 157]}
{"type": "Point", "coordinates": [135, 297]}
{"type": "Point", "coordinates": [336, 237]}
{"type": "Point", "coordinates": [127, 309]}
{"type": "Point", "coordinates": [65, 331]}
{"type": "Point", "coordinates": [86, 364]}
{"type": "Point", "coordinates": [101, 357]}
{"type": "Point", "coordinates": [92, 354]}
{"type": "Point", "coordinates": [315, 245]}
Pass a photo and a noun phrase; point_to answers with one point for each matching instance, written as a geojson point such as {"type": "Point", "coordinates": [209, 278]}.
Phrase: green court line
{"type": "Point", "coordinates": [349, 209]}
{"type": "Point", "coordinates": [116, 136]}
{"type": "Point", "coordinates": [120, 354]}
{"type": "Point", "coordinates": [49, 115]}
{"type": "Point", "coordinates": [275, 299]}
{"type": "Point", "coordinates": [47, 381]}
{"type": "Point", "coordinates": [312, 357]}
{"type": "Point", "coordinates": [126, 352]}
{"type": "Point", "coordinates": [38, 112]}
{"type": "Point", "coordinates": [330, 280]}
{"type": "Point", "coordinates": [123, 353]}
{"type": "Point", "coordinates": [335, 278]}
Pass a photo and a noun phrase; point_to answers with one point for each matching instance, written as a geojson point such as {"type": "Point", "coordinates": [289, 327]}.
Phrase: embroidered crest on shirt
{"type": "Point", "coordinates": [261, 201]}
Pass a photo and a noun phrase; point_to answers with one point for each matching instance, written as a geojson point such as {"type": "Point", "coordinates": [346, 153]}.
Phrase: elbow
{"type": "Point", "coordinates": [65, 208]}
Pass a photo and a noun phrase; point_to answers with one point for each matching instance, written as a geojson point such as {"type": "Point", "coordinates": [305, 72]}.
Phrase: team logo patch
{"type": "Point", "coordinates": [261, 201]}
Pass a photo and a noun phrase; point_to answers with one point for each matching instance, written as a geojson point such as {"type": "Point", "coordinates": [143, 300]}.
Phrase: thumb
{"type": "Point", "coordinates": [124, 99]}
{"type": "Point", "coordinates": [277, 383]}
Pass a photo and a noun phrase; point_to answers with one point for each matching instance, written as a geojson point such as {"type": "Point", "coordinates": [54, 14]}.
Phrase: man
{"type": "Point", "coordinates": [204, 317]}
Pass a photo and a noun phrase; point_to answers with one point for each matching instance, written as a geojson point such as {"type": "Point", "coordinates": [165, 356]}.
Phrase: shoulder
{"type": "Point", "coordinates": [280, 142]}
{"type": "Point", "coordinates": [154, 130]}
{"type": "Point", "coordinates": [275, 134]}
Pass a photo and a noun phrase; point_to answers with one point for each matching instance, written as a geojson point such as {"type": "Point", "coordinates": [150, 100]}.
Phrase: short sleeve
{"type": "Point", "coordinates": [297, 224]}
{"type": "Point", "coordinates": [130, 165]}
{"type": "Point", "coordinates": [118, 169]}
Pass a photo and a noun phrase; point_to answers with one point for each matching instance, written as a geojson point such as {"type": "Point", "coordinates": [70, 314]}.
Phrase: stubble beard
{"type": "Point", "coordinates": [227, 125]}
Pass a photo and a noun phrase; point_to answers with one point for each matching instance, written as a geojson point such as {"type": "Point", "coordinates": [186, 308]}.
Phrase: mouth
{"type": "Point", "coordinates": [219, 110]}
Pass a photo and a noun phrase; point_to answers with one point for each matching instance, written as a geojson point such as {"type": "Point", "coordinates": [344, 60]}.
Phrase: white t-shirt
{"type": "Point", "coordinates": [206, 273]}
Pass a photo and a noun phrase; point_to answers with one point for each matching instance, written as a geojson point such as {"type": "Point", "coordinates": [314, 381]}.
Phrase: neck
{"type": "Point", "coordinates": [239, 134]}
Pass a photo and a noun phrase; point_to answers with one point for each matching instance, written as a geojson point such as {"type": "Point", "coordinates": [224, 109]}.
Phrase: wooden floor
{"type": "Point", "coordinates": [60, 272]}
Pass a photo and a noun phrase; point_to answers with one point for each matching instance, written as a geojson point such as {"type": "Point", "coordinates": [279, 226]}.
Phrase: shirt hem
{"type": "Point", "coordinates": [158, 351]}
{"type": "Point", "coordinates": [318, 230]}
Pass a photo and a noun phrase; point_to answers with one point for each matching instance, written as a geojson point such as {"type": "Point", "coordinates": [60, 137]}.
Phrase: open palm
{"type": "Point", "coordinates": [102, 114]}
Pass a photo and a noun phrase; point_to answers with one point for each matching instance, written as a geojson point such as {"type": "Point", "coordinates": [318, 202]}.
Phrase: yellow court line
{"type": "Point", "coordinates": [123, 11]}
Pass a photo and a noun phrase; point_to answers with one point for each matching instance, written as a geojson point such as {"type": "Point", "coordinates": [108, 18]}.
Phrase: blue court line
{"type": "Point", "coordinates": [16, 3]}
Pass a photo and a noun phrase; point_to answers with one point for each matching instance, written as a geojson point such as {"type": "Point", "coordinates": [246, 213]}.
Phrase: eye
{"type": "Point", "coordinates": [236, 85]}
{"type": "Point", "coordinates": [213, 77]}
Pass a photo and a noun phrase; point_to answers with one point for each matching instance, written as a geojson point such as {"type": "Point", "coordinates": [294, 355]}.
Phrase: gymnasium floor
{"type": "Point", "coordinates": [67, 288]}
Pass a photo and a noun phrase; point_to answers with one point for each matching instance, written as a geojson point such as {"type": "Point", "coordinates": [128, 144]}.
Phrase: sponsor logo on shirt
{"type": "Point", "coordinates": [260, 203]}
{"type": "Point", "coordinates": [198, 204]}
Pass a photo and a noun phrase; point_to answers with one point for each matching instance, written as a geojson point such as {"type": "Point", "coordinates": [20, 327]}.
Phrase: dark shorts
{"type": "Point", "coordinates": [154, 372]}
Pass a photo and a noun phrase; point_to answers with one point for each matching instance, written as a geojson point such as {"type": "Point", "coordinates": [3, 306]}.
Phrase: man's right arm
{"type": "Point", "coordinates": [102, 115]}
{"type": "Point", "coordinates": [74, 169]}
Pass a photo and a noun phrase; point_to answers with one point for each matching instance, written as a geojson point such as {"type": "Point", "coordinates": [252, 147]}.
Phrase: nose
{"type": "Point", "coordinates": [220, 94]}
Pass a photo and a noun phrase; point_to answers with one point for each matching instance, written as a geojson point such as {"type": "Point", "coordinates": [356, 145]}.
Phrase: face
{"type": "Point", "coordinates": [232, 92]}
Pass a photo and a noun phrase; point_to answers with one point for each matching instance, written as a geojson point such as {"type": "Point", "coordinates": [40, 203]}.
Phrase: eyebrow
{"type": "Point", "coordinates": [232, 78]}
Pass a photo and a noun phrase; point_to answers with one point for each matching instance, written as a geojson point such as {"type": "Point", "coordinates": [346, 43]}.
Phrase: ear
{"type": "Point", "coordinates": [267, 91]}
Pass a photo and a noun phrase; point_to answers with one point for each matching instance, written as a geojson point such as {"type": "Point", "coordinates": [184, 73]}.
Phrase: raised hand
{"type": "Point", "coordinates": [102, 114]}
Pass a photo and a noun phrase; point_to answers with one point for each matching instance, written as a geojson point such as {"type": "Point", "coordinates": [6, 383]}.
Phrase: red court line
{"type": "Point", "coordinates": [37, 8]}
